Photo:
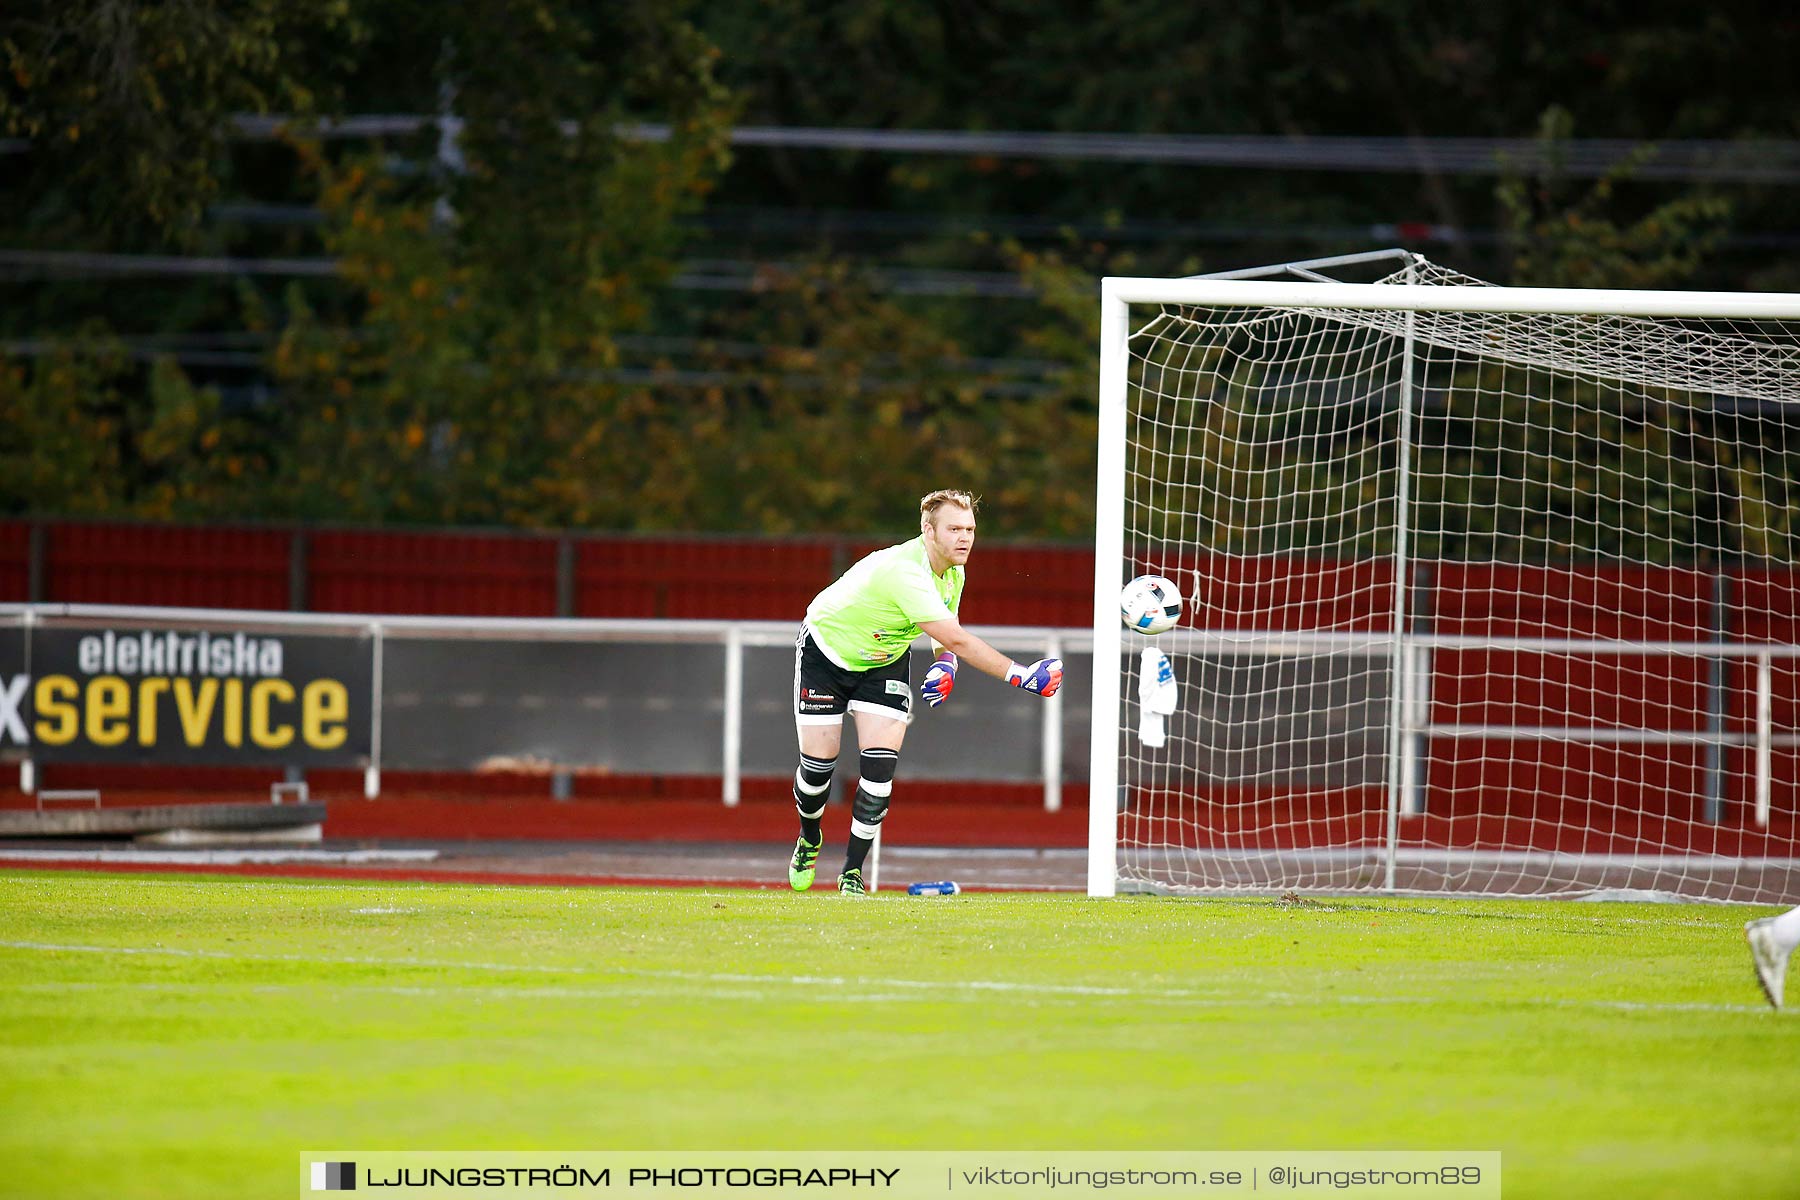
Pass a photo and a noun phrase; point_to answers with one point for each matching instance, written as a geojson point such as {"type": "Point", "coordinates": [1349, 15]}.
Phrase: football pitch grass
{"type": "Point", "coordinates": [187, 1037]}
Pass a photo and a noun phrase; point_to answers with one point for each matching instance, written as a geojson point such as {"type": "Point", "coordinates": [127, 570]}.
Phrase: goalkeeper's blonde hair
{"type": "Point", "coordinates": [932, 501]}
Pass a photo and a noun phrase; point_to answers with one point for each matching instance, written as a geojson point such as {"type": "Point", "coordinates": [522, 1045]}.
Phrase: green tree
{"type": "Point", "coordinates": [465, 377]}
{"type": "Point", "coordinates": [127, 107]}
{"type": "Point", "coordinates": [1564, 235]}
{"type": "Point", "coordinates": [860, 403]}
{"type": "Point", "coordinates": [89, 430]}
{"type": "Point", "coordinates": [470, 364]}
{"type": "Point", "coordinates": [124, 112]}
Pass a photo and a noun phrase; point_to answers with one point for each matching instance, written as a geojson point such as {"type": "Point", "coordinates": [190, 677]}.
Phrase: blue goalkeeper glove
{"type": "Point", "coordinates": [1043, 676]}
{"type": "Point", "coordinates": [939, 680]}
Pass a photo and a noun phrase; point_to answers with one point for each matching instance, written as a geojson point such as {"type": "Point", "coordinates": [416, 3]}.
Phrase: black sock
{"type": "Point", "coordinates": [857, 853]}
{"type": "Point", "coordinates": [871, 804]}
{"type": "Point", "coordinates": [815, 775]}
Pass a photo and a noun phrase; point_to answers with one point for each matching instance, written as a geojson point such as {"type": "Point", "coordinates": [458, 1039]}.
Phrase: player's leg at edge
{"type": "Point", "coordinates": [1772, 942]}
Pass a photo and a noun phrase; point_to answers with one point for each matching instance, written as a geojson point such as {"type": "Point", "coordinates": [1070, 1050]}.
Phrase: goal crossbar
{"type": "Point", "coordinates": [1404, 297]}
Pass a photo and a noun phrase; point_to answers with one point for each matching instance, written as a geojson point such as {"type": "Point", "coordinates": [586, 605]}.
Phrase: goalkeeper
{"type": "Point", "coordinates": [851, 656]}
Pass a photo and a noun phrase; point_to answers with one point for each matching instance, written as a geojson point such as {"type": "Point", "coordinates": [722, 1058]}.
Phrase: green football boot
{"type": "Point", "coordinates": [802, 866]}
{"type": "Point", "coordinates": [850, 883]}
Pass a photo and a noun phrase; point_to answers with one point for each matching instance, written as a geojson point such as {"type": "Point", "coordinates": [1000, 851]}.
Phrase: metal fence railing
{"type": "Point", "coordinates": [624, 696]}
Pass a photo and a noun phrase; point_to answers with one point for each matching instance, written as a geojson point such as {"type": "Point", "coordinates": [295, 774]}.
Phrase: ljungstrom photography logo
{"type": "Point", "coordinates": [334, 1177]}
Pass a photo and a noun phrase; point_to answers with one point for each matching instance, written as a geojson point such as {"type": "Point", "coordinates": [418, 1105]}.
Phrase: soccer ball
{"type": "Point", "coordinates": [1150, 604]}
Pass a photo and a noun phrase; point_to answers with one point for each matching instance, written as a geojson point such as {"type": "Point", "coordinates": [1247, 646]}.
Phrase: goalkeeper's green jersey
{"type": "Point", "coordinates": [872, 613]}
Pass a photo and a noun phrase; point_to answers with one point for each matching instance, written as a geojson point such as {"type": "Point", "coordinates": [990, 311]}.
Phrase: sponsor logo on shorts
{"type": "Point", "coordinates": [898, 687]}
{"type": "Point", "coordinates": [818, 702]}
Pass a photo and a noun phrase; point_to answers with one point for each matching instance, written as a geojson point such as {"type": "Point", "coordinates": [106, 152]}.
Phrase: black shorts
{"type": "Point", "coordinates": [824, 691]}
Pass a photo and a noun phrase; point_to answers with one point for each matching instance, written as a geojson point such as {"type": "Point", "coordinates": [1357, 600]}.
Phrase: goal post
{"type": "Point", "coordinates": [1490, 590]}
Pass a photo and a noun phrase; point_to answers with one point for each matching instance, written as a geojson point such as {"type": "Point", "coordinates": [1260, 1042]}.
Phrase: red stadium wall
{"type": "Point", "coordinates": [468, 573]}
{"type": "Point", "coordinates": [1627, 797]}
{"type": "Point", "coordinates": [701, 577]}
{"type": "Point", "coordinates": [184, 566]}
{"type": "Point", "coordinates": [15, 561]}
{"type": "Point", "coordinates": [1478, 790]}
{"type": "Point", "coordinates": [431, 574]}
{"type": "Point", "coordinates": [486, 573]}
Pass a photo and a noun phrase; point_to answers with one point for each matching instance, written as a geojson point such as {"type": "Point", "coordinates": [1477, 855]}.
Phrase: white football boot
{"type": "Point", "coordinates": [1770, 957]}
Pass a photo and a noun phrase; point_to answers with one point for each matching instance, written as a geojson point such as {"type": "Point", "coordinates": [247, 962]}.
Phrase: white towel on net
{"type": "Point", "coordinates": [1157, 695]}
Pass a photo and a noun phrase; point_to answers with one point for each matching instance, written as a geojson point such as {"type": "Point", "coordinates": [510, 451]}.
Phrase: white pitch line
{"type": "Point", "coordinates": [907, 988]}
{"type": "Point", "coordinates": [269, 856]}
{"type": "Point", "coordinates": [833, 981]}
{"type": "Point", "coordinates": [584, 995]}
{"type": "Point", "coordinates": [724, 872]}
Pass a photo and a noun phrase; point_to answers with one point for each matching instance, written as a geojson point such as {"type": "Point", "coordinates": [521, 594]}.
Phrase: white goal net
{"type": "Point", "coordinates": [1489, 590]}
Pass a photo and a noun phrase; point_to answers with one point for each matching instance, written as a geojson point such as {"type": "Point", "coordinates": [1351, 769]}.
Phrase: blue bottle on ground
{"type": "Point", "coordinates": [943, 887]}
